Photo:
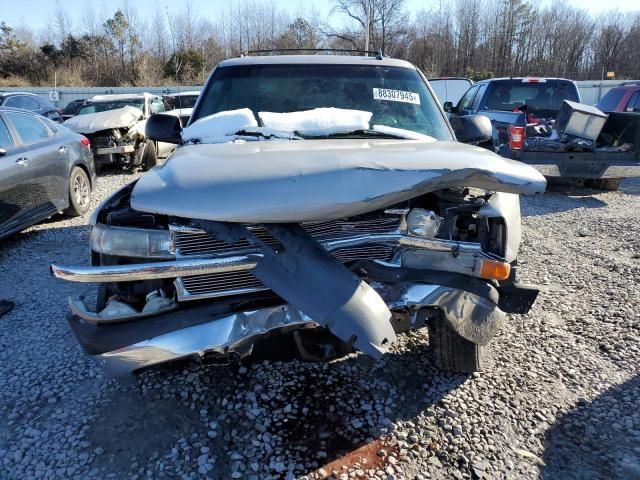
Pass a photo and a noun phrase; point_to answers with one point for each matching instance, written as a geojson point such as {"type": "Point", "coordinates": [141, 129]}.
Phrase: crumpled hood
{"type": "Point", "coordinates": [306, 180]}
{"type": "Point", "coordinates": [94, 122]}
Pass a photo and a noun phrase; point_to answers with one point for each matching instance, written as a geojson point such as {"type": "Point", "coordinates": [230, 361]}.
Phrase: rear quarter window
{"type": "Point", "coordinates": [610, 101]}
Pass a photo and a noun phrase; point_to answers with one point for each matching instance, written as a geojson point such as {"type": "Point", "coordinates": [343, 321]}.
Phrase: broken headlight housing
{"type": "Point", "coordinates": [131, 242]}
{"type": "Point", "coordinates": [423, 223]}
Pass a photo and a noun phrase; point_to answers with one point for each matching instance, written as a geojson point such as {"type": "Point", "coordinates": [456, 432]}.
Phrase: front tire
{"type": "Point", "coordinates": [79, 193]}
{"type": "Point", "coordinates": [453, 353]}
{"type": "Point", "coordinates": [148, 156]}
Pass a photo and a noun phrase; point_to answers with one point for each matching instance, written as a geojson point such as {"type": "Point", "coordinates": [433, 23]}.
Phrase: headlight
{"type": "Point", "coordinates": [423, 223]}
{"type": "Point", "coordinates": [131, 242]}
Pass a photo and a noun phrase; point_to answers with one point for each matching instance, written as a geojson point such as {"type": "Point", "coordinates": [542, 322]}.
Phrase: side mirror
{"type": "Point", "coordinates": [472, 128]}
{"type": "Point", "coordinates": [3, 152]}
{"type": "Point", "coordinates": [164, 128]}
{"type": "Point", "coordinates": [448, 107]}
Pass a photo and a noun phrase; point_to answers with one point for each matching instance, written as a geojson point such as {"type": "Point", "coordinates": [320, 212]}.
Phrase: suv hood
{"type": "Point", "coordinates": [307, 180]}
{"type": "Point", "coordinates": [94, 122]}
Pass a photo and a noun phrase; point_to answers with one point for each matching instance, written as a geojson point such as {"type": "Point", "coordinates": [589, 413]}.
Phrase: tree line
{"type": "Point", "coordinates": [471, 38]}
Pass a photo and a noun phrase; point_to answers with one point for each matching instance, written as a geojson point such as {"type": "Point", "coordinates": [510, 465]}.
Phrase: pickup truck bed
{"type": "Point", "coordinates": [521, 112]}
{"type": "Point", "coordinates": [617, 153]}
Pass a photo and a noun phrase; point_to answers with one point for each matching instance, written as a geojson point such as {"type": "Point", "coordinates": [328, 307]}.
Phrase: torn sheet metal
{"type": "Point", "coordinates": [309, 278]}
{"type": "Point", "coordinates": [470, 315]}
{"type": "Point", "coordinates": [124, 117]}
{"type": "Point", "coordinates": [307, 180]}
{"type": "Point", "coordinates": [117, 311]}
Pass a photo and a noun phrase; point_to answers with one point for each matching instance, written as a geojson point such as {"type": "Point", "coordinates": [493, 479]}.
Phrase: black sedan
{"type": "Point", "coordinates": [44, 169]}
{"type": "Point", "coordinates": [72, 108]}
{"type": "Point", "coordinates": [31, 102]}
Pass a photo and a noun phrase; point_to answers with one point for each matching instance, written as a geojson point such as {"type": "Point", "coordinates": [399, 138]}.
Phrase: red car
{"type": "Point", "coordinates": [621, 99]}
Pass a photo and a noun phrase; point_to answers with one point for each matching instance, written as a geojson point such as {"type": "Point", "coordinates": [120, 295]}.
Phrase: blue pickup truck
{"type": "Point", "coordinates": [523, 110]}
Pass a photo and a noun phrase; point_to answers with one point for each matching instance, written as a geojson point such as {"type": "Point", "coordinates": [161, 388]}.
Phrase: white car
{"type": "Point", "coordinates": [115, 126]}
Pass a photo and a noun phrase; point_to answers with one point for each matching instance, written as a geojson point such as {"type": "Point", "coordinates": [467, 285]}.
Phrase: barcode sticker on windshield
{"type": "Point", "coordinates": [396, 96]}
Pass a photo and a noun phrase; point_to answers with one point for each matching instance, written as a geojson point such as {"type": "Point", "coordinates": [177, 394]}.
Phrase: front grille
{"type": "Point", "coordinates": [218, 284]}
{"type": "Point", "coordinates": [193, 242]}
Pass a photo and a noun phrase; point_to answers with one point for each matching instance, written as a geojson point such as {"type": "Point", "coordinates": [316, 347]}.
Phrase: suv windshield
{"type": "Point", "coordinates": [543, 97]}
{"type": "Point", "coordinates": [397, 97]}
{"type": "Point", "coordinates": [95, 107]}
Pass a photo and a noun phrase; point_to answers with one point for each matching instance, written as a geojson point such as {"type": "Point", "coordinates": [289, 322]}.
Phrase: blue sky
{"type": "Point", "coordinates": [37, 13]}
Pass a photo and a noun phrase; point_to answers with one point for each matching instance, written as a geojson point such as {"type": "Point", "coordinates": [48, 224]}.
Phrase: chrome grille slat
{"type": "Point", "coordinates": [190, 242]}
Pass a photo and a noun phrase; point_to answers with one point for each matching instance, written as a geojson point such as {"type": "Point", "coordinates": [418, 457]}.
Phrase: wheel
{"type": "Point", "coordinates": [148, 156]}
{"type": "Point", "coordinates": [451, 352]}
{"type": "Point", "coordinates": [79, 193]}
{"type": "Point", "coordinates": [609, 184]}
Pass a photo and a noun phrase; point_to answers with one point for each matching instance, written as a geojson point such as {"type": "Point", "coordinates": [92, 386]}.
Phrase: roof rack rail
{"type": "Point", "coordinates": [378, 53]}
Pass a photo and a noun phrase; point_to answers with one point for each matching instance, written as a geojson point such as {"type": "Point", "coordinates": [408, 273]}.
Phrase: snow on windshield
{"type": "Point", "coordinates": [241, 125]}
{"type": "Point", "coordinates": [219, 127]}
{"type": "Point", "coordinates": [317, 122]}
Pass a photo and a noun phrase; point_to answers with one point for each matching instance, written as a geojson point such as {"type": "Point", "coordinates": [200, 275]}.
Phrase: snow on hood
{"type": "Point", "coordinates": [219, 127]}
{"type": "Point", "coordinates": [124, 117]}
{"type": "Point", "coordinates": [317, 122]}
{"type": "Point", "coordinates": [307, 180]}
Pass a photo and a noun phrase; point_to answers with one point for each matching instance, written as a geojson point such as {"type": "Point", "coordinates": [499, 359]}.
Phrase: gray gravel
{"type": "Point", "coordinates": [560, 400]}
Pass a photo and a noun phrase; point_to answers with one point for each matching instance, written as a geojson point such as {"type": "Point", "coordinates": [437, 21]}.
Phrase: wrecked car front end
{"type": "Point", "coordinates": [365, 239]}
{"type": "Point", "coordinates": [115, 135]}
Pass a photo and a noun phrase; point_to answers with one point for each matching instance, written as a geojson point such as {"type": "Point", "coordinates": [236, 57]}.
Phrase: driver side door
{"type": "Point", "coordinates": [14, 198]}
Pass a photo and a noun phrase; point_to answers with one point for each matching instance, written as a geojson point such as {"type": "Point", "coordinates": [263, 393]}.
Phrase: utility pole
{"type": "Point", "coordinates": [367, 8]}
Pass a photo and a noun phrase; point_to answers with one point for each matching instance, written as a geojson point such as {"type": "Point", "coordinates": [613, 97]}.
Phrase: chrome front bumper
{"type": "Point", "coordinates": [472, 316]}
{"type": "Point", "coordinates": [452, 256]}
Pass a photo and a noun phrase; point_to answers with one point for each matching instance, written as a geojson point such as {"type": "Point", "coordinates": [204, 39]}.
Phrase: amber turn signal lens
{"type": "Point", "coordinates": [494, 270]}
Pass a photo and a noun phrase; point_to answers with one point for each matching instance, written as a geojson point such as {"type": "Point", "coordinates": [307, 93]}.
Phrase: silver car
{"type": "Point", "coordinates": [44, 169]}
{"type": "Point", "coordinates": [320, 201]}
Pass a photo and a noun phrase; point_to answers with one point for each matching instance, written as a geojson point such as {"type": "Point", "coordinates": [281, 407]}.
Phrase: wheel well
{"type": "Point", "coordinates": [85, 169]}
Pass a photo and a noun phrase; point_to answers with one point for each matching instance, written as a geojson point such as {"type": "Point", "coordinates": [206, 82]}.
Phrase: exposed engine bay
{"type": "Point", "coordinates": [116, 146]}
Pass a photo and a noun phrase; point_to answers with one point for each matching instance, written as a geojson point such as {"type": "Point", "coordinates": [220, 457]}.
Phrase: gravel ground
{"type": "Point", "coordinates": [560, 400]}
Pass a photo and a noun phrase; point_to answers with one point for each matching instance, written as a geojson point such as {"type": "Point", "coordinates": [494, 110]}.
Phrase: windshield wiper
{"type": "Point", "coordinates": [265, 133]}
{"type": "Point", "coordinates": [356, 134]}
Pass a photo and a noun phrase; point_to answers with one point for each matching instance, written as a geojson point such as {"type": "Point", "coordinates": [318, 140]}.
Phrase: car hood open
{"type": "Point", "coordinates": [94, 122]}
{"type": "Point", "coordinates": [307, 180]}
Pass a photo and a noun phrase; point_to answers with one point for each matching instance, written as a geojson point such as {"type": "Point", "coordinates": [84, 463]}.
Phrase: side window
{"type": "Point", "coordinates": [29, 103]}
{"type": "Point", "coordinates": [478, 97]}
{"type": "Point", "coordinates": [634, 103]}
{"type": "Point", "coordinates": [6, 141]}
{"type": "Point", "coordinates": [467, 99]}
{"type": "Point", "coordinates": [157, 106]}
{"type": "Point", "coordinates": [14, 102]}
{"type": "Point", "coordinates": [30, 129]}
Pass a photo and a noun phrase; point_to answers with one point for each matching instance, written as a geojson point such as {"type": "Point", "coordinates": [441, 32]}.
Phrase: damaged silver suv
{"type": "Point", "coordinates": [318, 200]}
